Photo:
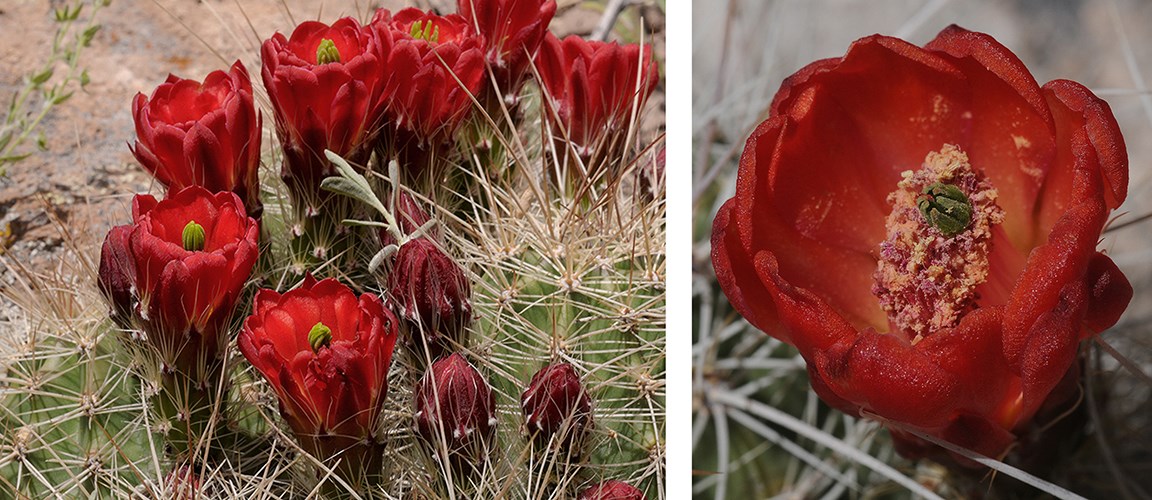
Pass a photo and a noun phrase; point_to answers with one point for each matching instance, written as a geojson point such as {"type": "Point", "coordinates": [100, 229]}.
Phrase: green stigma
{"type": "Point", "coordinates": [326, 52]}
{"type": "Point", "coordinates": [319, 336]}
{"type": "Point", "coordinates": [193, 237]}
{"type": "Point", "coordinates": [426, 32]}
{"type": "Point", "coordinates": [946, 208]}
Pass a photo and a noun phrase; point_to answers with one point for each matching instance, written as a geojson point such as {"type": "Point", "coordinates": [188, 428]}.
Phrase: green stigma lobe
{"type": "Point", "coordinates": [319, 336]}
{"type": "Point", "coordinates": [193, 237]}
{"type": "Point", "coordinates": [425, 31]}
{"type": "Point", "coordinates": [946, 208]}
{"type": "Point", "coordinates": [327, 52]}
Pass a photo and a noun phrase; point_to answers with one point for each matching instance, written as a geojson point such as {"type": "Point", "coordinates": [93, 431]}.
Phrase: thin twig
{"type": "Point", "coordinates": [608, 20]}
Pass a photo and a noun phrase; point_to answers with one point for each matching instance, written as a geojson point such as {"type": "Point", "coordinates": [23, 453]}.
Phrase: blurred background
{"type": "Point", "coordinates": [758, 429]}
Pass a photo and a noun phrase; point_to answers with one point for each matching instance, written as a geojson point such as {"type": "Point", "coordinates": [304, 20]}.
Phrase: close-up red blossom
{"type": "Point", "coordinates": [921, 223]}
{"type": "Point", "coordinates": [512, 31]}
{"type": "Point", "coordinates": [207, 134]}
{"type": "Point", "coordinates": [325, 84]}
{"type": "Point", "coordinates": [184, 261]}
{"type": "Point", "coordinates": [435, 68]}
{"type": "Point", "coordinates": [594, 86]}
{"type": "Point", "coordinates": [326, 351]}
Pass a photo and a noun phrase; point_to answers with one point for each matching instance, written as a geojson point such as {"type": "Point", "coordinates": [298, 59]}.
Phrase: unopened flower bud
{"type": "Point", "coordinates": [455, 405]}
{"type": "Point", "coordinates": [431, 294]}
{"type": "Point", "coordinates": [410, 217]}
{"type": "Point", "coordinates": [612, 490]}
{"type": "Point", "coordinates": [555, 401]}
{"type": "Point", "coordinates": [183, 483]}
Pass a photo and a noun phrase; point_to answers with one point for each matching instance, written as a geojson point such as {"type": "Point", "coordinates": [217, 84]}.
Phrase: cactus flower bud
{"type": "Point", "coordinates": [431, 295]}
{"type": "Point", "coordinates": [454, 403]}
{"type": "Point", "coordinates": [409, 216]}
{"type": "Point", "coordinates": [183, 483]}
{"type": "Point", "coordinates": [612, 490]}
{"type": "Point", "coordinates": [555, 401]}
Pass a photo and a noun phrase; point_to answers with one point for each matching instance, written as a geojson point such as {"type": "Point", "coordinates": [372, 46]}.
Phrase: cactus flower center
{"type": "Point", "coordinates": [327, 52]}
{"type": "Point", "coordinates": [945, 207]}
{"type": "Point", "coordinates": [425, 31]}
{"type": "Point", "coordinates": [938, 240]}
{"type": "Point", "coordinates": [193, 237]}
{"type": "Point", "coordinates": [319, 336]}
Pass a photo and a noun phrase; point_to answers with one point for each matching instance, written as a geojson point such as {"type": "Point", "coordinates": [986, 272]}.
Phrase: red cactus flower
{"type": "Point", "coordinates": [556, 401]}
{"type": "Point", "coordinates": [594, 86]}
{"type": "Point", "coordinates": [511, 31]}
{"type": "Point", "coordinates": [431, 294]}
{"type": "Point", "coordinates": [921, 223]}
{"type": "Point", "coordinates": [325, 84]}
{"type": "Point", "coordinates": [178, 269]}
{"type": "Point", "coordinates": [326, 353]}
{"type": "Point", "coordinates": [435, 65]}
{"type": "Point", "coordinates": [455, 406]}
{"type": "Point", "coordinates": [612, 490]}
{"type": "Point", "coordinates": [202, 134]}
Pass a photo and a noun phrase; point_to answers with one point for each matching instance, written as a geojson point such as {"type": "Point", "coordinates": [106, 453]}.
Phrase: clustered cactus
{"type": "Point", "coordinates": [453, 289]}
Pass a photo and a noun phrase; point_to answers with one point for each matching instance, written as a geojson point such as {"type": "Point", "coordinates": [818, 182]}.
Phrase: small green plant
{"type": "Point", "coordinates": [52, 84]}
